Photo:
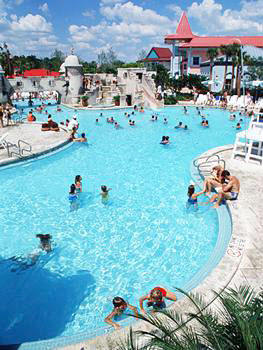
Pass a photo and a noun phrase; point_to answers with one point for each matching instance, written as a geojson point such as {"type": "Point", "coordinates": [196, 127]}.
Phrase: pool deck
{"type": "Point", "coordinates": [41, 142]}
{"type": "Point", "coordinates": [243, 261]}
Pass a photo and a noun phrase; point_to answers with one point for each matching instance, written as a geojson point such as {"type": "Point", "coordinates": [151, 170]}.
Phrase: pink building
{"type": "Point", "coordinates": [189, 50]}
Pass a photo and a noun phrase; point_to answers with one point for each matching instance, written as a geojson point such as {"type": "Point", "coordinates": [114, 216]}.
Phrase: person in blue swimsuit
{"type": "Point", "coordinates": [72, 197]}
{"type": "Point", "coordinates": [192, 196]}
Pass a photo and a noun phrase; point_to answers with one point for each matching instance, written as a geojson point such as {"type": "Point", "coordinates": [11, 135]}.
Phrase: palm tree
{"type": "Point", "coordinates": [236, 324]}
{"type": "Point", "coordinates": [234, 50]}
{"type": "Point", "coordinates": [211, 53]}
{"type": "Point", "coordinates": [227, 51]}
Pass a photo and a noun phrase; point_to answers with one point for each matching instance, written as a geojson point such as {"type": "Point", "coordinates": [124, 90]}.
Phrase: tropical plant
{"type": "Point", "coordinates": [226, 50]}
{"type": "Point", "coordinates": [255, 69]}
{"type": "Point", "coordinates": [211, 53]}
{"type": "Point", "coordinates": [235, 324]}
{"type": "Point", "coordinates": [6, 60]}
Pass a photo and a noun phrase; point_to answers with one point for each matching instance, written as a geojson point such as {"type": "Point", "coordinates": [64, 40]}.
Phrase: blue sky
{"type": "Point", "coordinates": [39, 27]}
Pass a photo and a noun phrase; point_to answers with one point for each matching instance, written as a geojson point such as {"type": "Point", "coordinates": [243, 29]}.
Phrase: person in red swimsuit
{"type": "Point", "coordinates": [156, 298]}
{"type": "Point", "coordinates": [120, 305]}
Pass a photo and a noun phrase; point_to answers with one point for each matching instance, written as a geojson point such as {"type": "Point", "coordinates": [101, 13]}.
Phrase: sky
{"type": "Point", "coordinates": [39, 27]}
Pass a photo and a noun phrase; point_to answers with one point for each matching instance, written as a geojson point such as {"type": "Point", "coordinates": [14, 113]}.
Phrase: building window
{"type": "Point", "coordinates": [196, 61]}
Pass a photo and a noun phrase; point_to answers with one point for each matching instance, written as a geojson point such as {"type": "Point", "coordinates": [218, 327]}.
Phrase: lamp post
{"type": "Point", "coordinates": [243, 87]}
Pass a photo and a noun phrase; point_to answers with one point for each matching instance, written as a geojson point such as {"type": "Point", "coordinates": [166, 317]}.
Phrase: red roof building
{"type": "Point", "coordinates": [158, 55]}
{"type": "Point", "coordinates": [40, 73]}
{"type": "Point", "coordinates": [189, 50]}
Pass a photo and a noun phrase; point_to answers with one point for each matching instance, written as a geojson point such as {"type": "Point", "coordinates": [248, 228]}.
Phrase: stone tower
{"type": "Point", "coordinates": [73, 79]}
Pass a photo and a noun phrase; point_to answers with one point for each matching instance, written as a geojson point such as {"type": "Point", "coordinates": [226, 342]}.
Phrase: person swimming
{"type": "Point", "coordinates": [73, 197]}
{"type": "Point", "coordinates": [156, 298]}
{"type": "Point", "coordinates": [238, 126]}
{"type": "Point", "coordinates": [82, 138]}
{"type": "Point", "coordinates": [45, 242]}
{"type": "Point", "coordinates": [104, 194]}
{"type": "Point", "coordinates": [78, 183]}
{"type": "Point", "coordinates": [165, 121]}
{"type": "Point", "coordinates": [119, 307]}
{"type": "Point", "coordinates": [165, 140]}
{"type": "Point", "coordinates": [192, 196]}
{"type": "Point", "coordinates": [179, 126]}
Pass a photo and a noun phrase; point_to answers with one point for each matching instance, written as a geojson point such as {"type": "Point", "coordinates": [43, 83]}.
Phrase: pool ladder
{"type": "Point", "coordinates": [204, 164]}
{"type": "Point", "coordinates": [19, 150]}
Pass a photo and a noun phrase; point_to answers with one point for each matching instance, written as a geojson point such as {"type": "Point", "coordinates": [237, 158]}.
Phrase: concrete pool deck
{"type": "Point", "coordinates": [242, 262]}
{"type": "Point", "coordinates": [41, 142]}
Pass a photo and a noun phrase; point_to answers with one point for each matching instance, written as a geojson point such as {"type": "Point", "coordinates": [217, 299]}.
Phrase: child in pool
{"type": "Point", "coordinates": [120, 305]}
{"type": "Point", "coordinates": [156, 298]}
{"type": "Point", "coordinates": [104, 194]}
{"type": "Point", "coordinates": [192, 196]}
{"type": "Point", "coordinates": [73, 198]}
{"type": "Point", "coordinates": [78, 183]}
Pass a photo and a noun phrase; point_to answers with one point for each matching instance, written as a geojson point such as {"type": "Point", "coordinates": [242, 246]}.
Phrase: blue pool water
{"type": "Point", "coordinates": [144, 237]}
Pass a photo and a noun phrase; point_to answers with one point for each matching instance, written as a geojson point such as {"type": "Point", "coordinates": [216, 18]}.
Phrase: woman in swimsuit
{"type": "Point", "coordinates": [156, 298]}
{"type": "Point", "coordinates": [120, 305]}
{"type": "Point", "coordinates": [192, 196]}
{"type": "Point", "coordinates": [73, 197]}
{"type": "Point", "coordinates": [78, 183]}
{"type": "Point", "coordinates": [215, 180]}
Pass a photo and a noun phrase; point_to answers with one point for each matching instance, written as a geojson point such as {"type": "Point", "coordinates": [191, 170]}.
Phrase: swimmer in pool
{"type": "Point", "coordinates": [78, 183]}
{"type": "Point", "coordinates": [104, 194]}
{"type": "Point", "coordinates": [73, 198]}
{"type": "Point", "coordinates": [45, 242]}
{"type": "Point", "coordinates": [156, 298]}
{"type": "Point", "coordinates": [192, 196]}
{"type": "Point", "coordinates": [165, 121]}
{"type": "Point", "coordinates": [119, 307]}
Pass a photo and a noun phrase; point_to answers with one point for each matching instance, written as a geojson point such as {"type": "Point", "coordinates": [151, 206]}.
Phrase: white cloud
{"type": "Point", "coordinates": [88, 13]}
{"type": "Point", "coordinates": [222, 21]}
{"type": "Point", "coordinates": [175, 9]}
{"type": "Point", "coordinates": [123, 22]}
{"type": "Point", "coordinates": [31, 23]}
{"type": "Point", "coordinates": [131, 13]}
{"type": "Point", "coordinates": [19, 2]}
{"type": "Point", "coordinates": [44, 7]}
{"type": "Point", "coordinates": [111, 1]}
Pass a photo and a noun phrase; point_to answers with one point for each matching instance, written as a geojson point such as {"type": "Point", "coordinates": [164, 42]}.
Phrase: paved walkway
{"type": "Point", "coordinates": [32, 134]}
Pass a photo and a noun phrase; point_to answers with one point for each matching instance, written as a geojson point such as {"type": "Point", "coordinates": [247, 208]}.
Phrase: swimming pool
{"type": "Point", "coordinates": [144, 237]}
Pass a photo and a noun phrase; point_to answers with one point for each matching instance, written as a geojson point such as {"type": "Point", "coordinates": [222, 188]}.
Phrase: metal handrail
{"type": "Point", "coordinates": [206, 157]}
{"type": "Point", "coordinates": [23, 149]}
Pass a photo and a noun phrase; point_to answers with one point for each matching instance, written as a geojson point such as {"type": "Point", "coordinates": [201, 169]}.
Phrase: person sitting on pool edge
{"type": "Point", "coordinates": [156, 298]}
{"type": "Point", "coordinates": [120, 305]}
{"type": "Point", "coordinates": [229, 190]}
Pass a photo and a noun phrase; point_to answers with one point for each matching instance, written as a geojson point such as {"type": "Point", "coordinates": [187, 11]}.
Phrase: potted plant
{"type": "Point", "coordinates": [84, 100]}
{"type": "Point", "coordinates": [116, 100]}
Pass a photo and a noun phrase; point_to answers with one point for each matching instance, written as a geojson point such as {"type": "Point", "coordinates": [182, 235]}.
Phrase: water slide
{"type": "Point", "coordinates": [149, 89]}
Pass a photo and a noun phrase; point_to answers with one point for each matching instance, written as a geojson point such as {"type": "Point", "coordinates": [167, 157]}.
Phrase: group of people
{"type": "Point", "coordinates": [5, 114]}
{"type": "Point", "coordinates": [76, 189]}
{"type": "Point", "coordinates": [227, 187]}
{"type": "Point", "coordinates": [155, 300]}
